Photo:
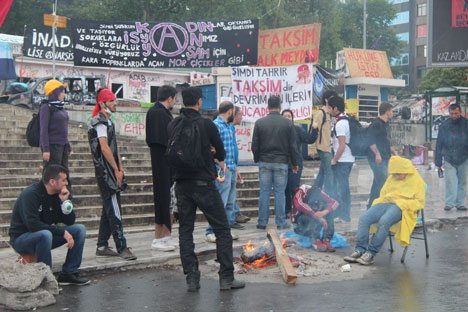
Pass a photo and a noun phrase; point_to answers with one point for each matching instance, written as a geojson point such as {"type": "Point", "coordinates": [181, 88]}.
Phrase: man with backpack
{"type": "Point", "coordinates": [322, 121]}
{"type": "Point", "coordinates": [191, 142]}
{"type": "Point", "coordinates": [343, 159]}
{"type": "Point", "coordinates": [380, 149]}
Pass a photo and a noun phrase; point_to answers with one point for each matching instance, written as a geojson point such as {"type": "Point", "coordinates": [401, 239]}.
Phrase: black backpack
{"type": "Point", "coordinates": [360, 139]}
{"type": "Point", "coordinates": [33, 131]}
{"type": "Point", "coordinates": [324, 119]}
{"type": "Point", "coordinates": [185, 147]}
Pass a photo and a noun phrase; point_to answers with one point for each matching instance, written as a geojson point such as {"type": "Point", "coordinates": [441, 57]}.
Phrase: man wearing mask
{"type": "Point", "coordinates": [109, 175]}
{"type": "Point", "coordinates": [452, 145]}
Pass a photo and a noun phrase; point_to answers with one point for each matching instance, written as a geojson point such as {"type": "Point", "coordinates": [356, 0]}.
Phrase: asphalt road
{"type": "Point", "coordinates": [437, 284]}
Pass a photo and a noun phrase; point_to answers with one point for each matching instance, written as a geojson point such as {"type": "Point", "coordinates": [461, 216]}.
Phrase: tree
{"type": "Point", "coordinates": [444, 77]}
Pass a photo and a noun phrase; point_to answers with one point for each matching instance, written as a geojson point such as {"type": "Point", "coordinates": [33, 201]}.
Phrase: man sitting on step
{"type": "Point", "coordinates": [402, 195]}
{"type": "Point", "coordinates": [33, 228]}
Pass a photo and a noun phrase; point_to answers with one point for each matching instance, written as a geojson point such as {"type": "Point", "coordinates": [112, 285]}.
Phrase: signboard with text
{"type": "Point", "coordinates": [166, 45]}
{"type": "Point", "coordinates": [289, 45]}
{"type": "Point", "coordinates": [367, 63]}
{"type": "Point", "coordinates": [459, 13]}
{"type": "Point", "coordinates": [253, 86]}
{"type": "Point", "coordinates": [38, 43]}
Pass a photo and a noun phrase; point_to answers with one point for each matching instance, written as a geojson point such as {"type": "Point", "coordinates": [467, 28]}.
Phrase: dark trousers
{"type": "Point", "coordinates": [317, 226]}
{"type": "Point", "coordinates": [294, 179]}
{"type": "Point", "coordinates": [161, 185]}
{"type": "Point", "coordinates": [380, 176]}
{"type": "Point", "coordinates": [111, 223]}
{"type": "Point", "coordinates": [59, 156]}
{"type": "Point", "coordinates": [191, 194]}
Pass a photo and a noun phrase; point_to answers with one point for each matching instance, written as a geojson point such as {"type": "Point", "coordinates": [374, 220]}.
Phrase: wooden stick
{"type": "Point", "coordinates": [282, 258]}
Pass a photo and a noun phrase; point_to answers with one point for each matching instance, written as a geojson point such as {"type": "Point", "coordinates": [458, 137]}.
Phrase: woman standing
{"type": "Point", "coordinates": [294, 179]}
{"type": "Point", "coordinates": [53, 122]}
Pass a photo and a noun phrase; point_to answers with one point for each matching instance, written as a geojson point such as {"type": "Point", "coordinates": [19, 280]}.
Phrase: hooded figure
{"type": "Point", "coordinates": [396, 210]}
{"type": "Point", "coordinates": [408, 194]}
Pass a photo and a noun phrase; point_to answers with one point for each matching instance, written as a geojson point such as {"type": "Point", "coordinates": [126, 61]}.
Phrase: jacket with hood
{"type": "Point", "coordinates": [408, 194]}
{"type": "Point", "coordinates": [452, 142]}
{"type": "Point", "coordinates": [107, 182]}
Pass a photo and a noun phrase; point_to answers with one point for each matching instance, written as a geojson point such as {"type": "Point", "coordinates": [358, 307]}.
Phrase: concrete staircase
{"type": "Point", "coordinates": [21, 165]}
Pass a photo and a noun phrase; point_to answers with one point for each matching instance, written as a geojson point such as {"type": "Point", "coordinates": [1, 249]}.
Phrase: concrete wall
{"type": "Point", "coordinates": [130, 121]}
{"type": "Point", "coordinates": [407, 132]}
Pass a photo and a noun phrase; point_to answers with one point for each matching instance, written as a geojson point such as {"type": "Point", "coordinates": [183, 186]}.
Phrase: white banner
{"type": "Point", "coordinates": [253, 86]}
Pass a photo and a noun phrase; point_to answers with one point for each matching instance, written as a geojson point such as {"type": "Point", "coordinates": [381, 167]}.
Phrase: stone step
{"type": "Point", "coordinates": [75, 156]}
{"type": "Point", "coordinates": [73, 170]}
{"type": "Point", "coordinates": [72, 164]}
{"type": "Point", "coordinates": [83, 179]}
{"type": "Point", "coordinates": [24, 148]}
{"type": "Point", "coordinates": [75, 143]}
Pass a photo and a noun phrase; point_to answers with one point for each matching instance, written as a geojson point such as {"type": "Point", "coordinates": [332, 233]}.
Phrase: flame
{"type": "Point", "coordinates": [249, 245]}
{"type": "Point", "coordinates": [260, 263]}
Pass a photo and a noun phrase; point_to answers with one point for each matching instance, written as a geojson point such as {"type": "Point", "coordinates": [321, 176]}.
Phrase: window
{"type": "Point", "coordinates": [117, 89]}
{"type": "Point", "coordinates": [397, 1]}
{"type": "Point", "coordinates": [421, 51]}
{"type": "Point", "coordinates": [401, 18]}
{"type": "Point", "coordinates": [404, 59]}
{"type": "Point", "coordinates": [368, 107]}
{"type": "Point", "coordinates": [403, 36]}
{"type": "Point", "coordinates": [425, 50]}
{"type": "Point", "coordinates": [422, 9]}
{"type": "Point", "coordinates": [395, 61]}
{"type": "Point", "coordinates": [405, 77]}
{"type": "Point", "coordinates": [422, 71]}
{"type": "Point", "coordinates": [422, 31]}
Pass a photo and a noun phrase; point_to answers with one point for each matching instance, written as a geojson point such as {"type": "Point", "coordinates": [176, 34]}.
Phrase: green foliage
{"type": "Point", "coordinates": [444, 77]}
{"type": "Point", "coordinates": [341, 23]}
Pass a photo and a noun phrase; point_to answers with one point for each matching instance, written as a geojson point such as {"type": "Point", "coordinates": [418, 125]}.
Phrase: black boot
{"type": "Point", "coordinates": [225, 284]}
{"type": "Point", "coordinates": [193, 281]}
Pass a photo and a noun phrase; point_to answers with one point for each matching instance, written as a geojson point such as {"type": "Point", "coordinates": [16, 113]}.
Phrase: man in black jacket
{"type": "Point", "coordinates": [157, 119]}
{"type": "Point", "coordinates": [33, 228]}
{"type": "Point", "coordinates": [452, 145]}
{"type": "Point", "coordinates": [274, 147]}
{"type": "Point", "coordinates": [196, 188]}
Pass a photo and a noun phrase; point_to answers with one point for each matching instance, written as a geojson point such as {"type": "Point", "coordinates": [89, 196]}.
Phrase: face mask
{"type": "Point", "coordinates": [107, 110]}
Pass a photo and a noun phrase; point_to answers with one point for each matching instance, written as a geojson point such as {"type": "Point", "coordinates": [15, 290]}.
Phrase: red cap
{"type": "Point", "coordinates": [104, 95]}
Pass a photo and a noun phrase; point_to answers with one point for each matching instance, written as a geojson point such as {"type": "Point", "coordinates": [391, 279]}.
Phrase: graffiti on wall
{"type": "Point", "coordinates": [138, 86]}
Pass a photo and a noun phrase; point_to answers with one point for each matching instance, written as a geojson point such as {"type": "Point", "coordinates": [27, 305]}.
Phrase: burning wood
{"type": "Point", "coordinates": [252, 254]}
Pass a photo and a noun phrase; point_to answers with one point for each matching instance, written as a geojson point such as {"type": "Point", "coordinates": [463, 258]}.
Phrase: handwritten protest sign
{"type": "Point", "coordinates": [251, 88]}
{"type": "Point", "coordinates": [367, 63]}
{"type": "Point", "coordinates": [165, 45]}
{"type": "Point", "coordinates": [289, 45]}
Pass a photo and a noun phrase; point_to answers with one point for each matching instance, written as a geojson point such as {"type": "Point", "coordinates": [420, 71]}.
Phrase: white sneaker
{"type": "Point", "coordinates": [235, 236]}
{"type": "Point", "coordinates": [171, 241]}
{"type": "Point", "coordinates": [160, 245]}
{"type": "Point", "coordinates": [210, 238]}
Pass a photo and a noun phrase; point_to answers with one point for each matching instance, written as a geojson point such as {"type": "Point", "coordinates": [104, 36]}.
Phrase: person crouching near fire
{"type": "Point", "coordinates": [402, 195]}
{"type": "Point", "coordinates": [312, 210]}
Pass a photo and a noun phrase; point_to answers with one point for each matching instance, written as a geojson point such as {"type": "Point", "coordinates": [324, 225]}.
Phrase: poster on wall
{"type": "Point", "coordinates": [289, 45]}
{"type": "Point", "coordinates": [440, 105]}
{"type": "Point", "coordinates": [459, 13]}
{"type": "Point", "coordinates": [327, 80]}
{"type": "Point", "coordinates": [253, 86]}
{"type": "Point", "coordinates": [448, 30]}
{"type": "Point", "coordinates": [38, 43]}
{"type": "Point", "coordinates": [367, 63]}
{"type": "Point", "coordinates": [165, 45]}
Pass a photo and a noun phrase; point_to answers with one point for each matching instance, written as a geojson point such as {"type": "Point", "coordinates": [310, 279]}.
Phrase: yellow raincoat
{"type": "Point", "coordinates": [408, 194]}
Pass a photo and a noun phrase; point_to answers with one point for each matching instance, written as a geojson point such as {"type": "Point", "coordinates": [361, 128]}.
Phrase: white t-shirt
{"type": "Point", "coordinates": [342, 129]}
{"type": "Point", "coordinates": [101, 130]}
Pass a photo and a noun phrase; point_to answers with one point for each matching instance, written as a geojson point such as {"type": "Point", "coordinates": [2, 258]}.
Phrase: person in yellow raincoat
{"type": "Point", "coordinates": [402, 195]}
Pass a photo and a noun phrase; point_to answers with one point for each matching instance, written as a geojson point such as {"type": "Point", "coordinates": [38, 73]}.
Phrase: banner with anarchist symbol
{"type": "Point", "coordinates": [166, 44]}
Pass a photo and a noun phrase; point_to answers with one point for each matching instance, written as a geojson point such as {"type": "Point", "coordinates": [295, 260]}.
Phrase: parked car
{"type": "Point", "coordinates": [81, 90]}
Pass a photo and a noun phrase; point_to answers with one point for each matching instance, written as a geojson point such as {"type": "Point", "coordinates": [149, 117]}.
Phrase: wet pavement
{"type": "Point", "coordinates": [434, 284]}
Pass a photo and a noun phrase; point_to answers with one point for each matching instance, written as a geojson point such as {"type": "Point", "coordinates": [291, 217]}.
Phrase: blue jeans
{"type": "Point", "coordinates": [455, 184]}
{"type": "Point", "coordinates": [325, 175]}
{"type": "Point", "coordinates": [42, 242]}
{"type": "Point", "coordinates": [380, 172]}
{"type": "Point", "coordinates": [276, 175]}
{"type": "Point", "coordinates": [385, 215]}
{"type": "Point", "coordinates": [294, 179]}
{"type": "Point", "coordinates": [227, 190]}
{"type": "Point", "coordinates": [341, 173]}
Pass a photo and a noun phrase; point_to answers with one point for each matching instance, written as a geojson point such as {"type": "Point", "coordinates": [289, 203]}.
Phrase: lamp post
{"type": "Point", "coordinates": [364, 26]}
{"type": "Point", "coordinates": [54, 9]}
